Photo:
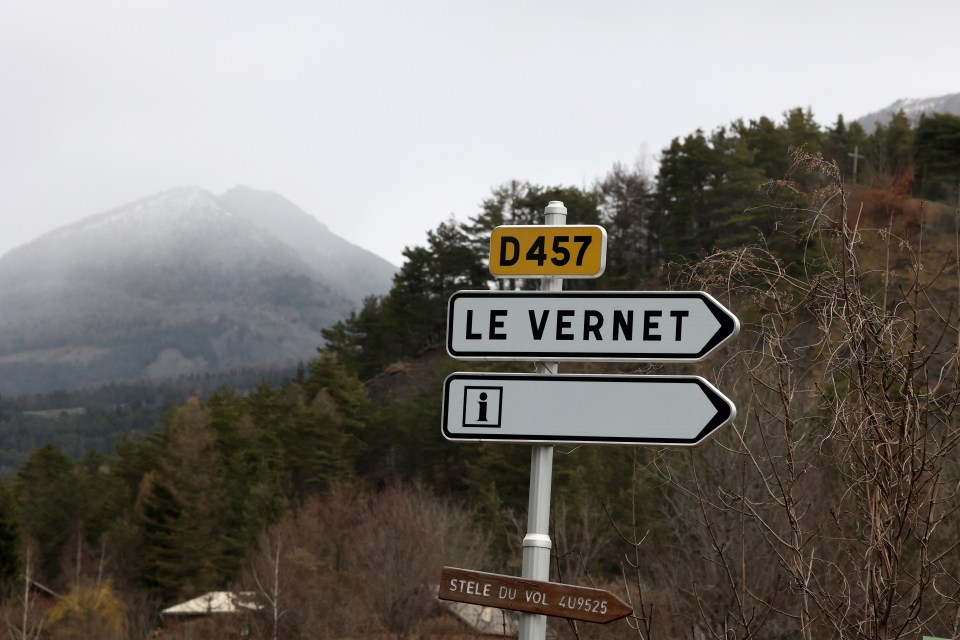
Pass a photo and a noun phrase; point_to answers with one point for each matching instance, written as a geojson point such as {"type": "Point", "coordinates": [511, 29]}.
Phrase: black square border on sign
{"type": "Point", "coordinates": [492, 425]}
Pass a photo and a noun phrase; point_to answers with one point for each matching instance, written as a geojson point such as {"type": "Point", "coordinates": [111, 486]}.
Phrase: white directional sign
{"type": "Point", "coordinates": [649, 410]}
{"type": "Point", "coordinates": [596, 325]}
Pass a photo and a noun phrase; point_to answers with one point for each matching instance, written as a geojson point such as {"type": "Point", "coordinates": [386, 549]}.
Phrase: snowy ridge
{"type": "Point", "coordinates": [185, 204]}
{"type": "Point", "coordinates": [913, 108]}
{"type": "Point", "coordinates": [181, 228]}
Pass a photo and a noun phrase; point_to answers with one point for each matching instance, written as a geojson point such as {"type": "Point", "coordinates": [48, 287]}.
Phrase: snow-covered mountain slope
{"type": "Point", "coordinates": [175, 283]}
{"type": "Point", "coordinates": [912, 108]}
{"type": "Point", "coordinates": [181, 227]}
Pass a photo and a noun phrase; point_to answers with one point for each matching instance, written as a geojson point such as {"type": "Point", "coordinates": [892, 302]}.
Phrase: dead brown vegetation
{"type": "Point", "coordinates": [352, 563]}
{"type": "Point", "coordinates": [830, 507]}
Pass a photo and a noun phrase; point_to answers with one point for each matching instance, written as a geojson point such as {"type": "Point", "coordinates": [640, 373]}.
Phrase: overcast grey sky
{"type": "Point", "coordinates": [382, 118]}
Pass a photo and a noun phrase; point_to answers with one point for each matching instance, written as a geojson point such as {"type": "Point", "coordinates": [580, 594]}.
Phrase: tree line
{"type": "Point", "coordinates": [717, 191]}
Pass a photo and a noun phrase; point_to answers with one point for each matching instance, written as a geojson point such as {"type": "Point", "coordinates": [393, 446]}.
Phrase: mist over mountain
{"type": "Point", "coordinates": [912, 108]}
{"type": "Point", "coordinates": [179, 283]}
{"type": "Point", "coordinates": [343, 265]}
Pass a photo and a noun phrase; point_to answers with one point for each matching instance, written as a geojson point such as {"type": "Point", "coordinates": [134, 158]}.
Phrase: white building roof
{"type": "Point", "coordinates": [214, 602]}
{"type": "Point", "coordinates": [485, 620]}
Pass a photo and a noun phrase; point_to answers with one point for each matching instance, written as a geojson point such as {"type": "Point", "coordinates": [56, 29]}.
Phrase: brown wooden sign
{"type": "Point", "coordinates": [531, 596]}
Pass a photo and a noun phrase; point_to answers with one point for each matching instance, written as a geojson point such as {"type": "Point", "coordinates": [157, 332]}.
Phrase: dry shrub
{"type": "Point", "coordinates": [355, 563]}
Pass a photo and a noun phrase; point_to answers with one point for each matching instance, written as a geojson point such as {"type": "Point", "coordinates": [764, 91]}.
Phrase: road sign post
{"type": "Point", "coordinates": [536, 543]}
{"type": "Point", "coordinates": [531, 596]}
{"type": "Point", "coordinates": [544, 408]}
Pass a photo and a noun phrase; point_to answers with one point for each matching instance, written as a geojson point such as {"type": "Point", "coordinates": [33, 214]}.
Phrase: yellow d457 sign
{"type": "Point", "coordinates": [536, 251]}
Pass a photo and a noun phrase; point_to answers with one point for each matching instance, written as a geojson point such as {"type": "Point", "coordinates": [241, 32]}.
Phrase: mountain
{"type": "Point", "coordinates": [913, 108]}
{"type": "Point", "coordinates": [179, 283]}
{"type": "Point", "coordinates": [343, 265]}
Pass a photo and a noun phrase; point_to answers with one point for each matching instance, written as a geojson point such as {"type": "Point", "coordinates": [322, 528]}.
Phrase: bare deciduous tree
{"type": "Point", "coordinates": [829, 509]}
{"type": "Point", "coordinates": [22, 616]}
{"type": "Point", "coordinates": [355, 562]}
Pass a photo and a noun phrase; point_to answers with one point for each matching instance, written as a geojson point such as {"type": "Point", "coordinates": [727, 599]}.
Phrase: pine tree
{"type": "Point", "coordinates": [412, 316]}
{"type": "Point", "coordinates": [801, 130]}
{"type": "Point", "coordinates": [899, 145]}
{"type": "Point", "coordinates": [682, 184]}
{"type": "Point", "coordinates": [504, 206]}
{"type": "Point", "coordinates": [255, 483]}
{"type": "Point", "coordinates": [48, 509]}
{"type": "Point", "coordinates": [836, 145]}
{"type": "Point", "coordinates": [889, 151]}
{"type": "Point", "coordinates": [770, 144]}
{"type": "Point", "coordinates": [937, 156]}
{"type": "Point", "coordinates": [735, 213]}
{"type": "Point", "coordinates": [182, 509]}
{"type": "Point", "coordinates": [365, 340]}
{"type": "Point", "coordinates": [9, 537]}
{"type": "Point", "coordinates": [629, 218]}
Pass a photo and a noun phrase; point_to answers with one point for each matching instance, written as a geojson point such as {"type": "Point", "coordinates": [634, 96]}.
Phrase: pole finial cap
{"type": "Point", "coordinates": [555, 206]}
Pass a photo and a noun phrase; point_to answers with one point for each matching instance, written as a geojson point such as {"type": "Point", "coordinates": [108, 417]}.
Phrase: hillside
{"type": "Point", "coordinates": [181, 283]}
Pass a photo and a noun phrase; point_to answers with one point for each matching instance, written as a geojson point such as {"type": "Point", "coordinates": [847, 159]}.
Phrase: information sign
{"type": "Point", "coordinates": [563, 408]}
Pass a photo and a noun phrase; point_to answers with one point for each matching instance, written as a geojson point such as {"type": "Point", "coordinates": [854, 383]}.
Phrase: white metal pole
{"type": "Point", "coordinates": [536, 544]}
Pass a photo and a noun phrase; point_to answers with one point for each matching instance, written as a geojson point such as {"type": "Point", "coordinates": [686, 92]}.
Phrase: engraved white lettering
{"type": "Point", "coordinates": [580, 603]}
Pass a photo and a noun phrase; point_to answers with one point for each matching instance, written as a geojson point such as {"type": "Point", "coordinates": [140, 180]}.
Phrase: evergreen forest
{"type": "Point", "coordinates": [827, 510]}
